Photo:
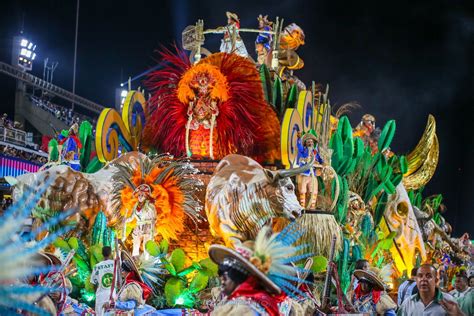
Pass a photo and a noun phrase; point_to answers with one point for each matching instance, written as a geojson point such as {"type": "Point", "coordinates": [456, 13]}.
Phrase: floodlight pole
{"type": "Point", "coordinates": [75, 56]}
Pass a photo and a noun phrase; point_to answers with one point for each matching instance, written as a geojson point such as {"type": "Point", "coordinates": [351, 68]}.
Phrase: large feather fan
{"type": "Point", "coordinates": [246, 124]}
{"type": "Point", "coordinates": [277, 249]}
{"type": "Point", "coordinates": [18, 258]}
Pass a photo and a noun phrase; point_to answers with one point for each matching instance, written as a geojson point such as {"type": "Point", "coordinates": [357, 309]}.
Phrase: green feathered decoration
{"type": "Point", "coordinates": [85, 136]}
{"type": "Point", "coordinates": [380, 208]}
{"type": "Point", "coordinates": [100, 224]}
{"type": "Point", "coordinates": [53, 150]}
{"type": "Point", "coordinates": [292, 97]}
{"type": "Point", "coordinates": [266, 83]}
{"type": "Point", "coordinates": [94, 166]}
{"type": "Point", "coordinates": [386, 136]}
{"type": "Point", "coordinates": [277, 101]}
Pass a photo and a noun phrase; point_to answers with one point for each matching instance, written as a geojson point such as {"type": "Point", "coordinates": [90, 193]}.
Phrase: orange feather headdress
{"type": "Point", "coordinates": [171, 187]}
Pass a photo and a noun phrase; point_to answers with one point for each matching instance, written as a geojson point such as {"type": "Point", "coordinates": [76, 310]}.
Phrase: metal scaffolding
{"type": "Point", "coordinates": [49, 87]}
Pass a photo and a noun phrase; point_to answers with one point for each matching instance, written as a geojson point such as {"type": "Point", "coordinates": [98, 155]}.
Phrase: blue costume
{"type": "Point", "coordinates": [265, 38]}
{"type": "Point", "coordinates": [131, 305]}
{"type": "Point", "coordinates": [70, 150]}
{"type": "Point", "coordinates": [305, 155]}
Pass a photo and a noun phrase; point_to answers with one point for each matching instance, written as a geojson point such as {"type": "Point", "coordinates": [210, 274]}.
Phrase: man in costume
{"type": "Point", "coordinates": [70, 147]}
{"type": "Point", "coordinates": [307, 181]}
{"type": "Point", "coordinates": [367, 131]}
{"type": "Point", "coordinates": [144, 216]}
{"type": "Point", "coordinates": [370, 296]}
{"type": "Point", "coordinates": [255, 274]}
{"type": "Point", "coordinates": [429, 300]}
{"type": "Point", "coordinates": [101, 277]}
{"type": "Point", "coordinates": [232, 43]}
{"type": "Point", "coordinates": [263, 43]}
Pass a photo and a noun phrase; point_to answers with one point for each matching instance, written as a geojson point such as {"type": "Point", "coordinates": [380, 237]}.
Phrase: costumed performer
{"type": "Point", "coordinates": [370, 296]}
{"type": "Point", "coordinates": [232, 43]}
{"type": "Point", "coordinates": [144, 216]}
{"type": "Point", "coordinates": [102, 277]}
{"type": "Point", "coordinates": [70, 147]}
{"type": "Point", "coordinates": [367, 131]}
{"type": "Point", "coordinates": [263, 43]}
{"type": "Point", "coordinates": [307, 181]}
{"type": "Point", "coordinates": [256, 274]}
{"type": "Point", "coordinates": [134, 291]}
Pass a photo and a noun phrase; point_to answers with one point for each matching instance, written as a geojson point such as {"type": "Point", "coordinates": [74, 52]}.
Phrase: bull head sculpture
{"type": "Point", "coordinates": [286, 189]}
{"type": "Point", "coordinates": [242, 197]}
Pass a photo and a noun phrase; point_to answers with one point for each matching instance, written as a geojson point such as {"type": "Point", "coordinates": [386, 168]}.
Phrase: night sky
{"type": "Point", "coordinates": [399, 60]}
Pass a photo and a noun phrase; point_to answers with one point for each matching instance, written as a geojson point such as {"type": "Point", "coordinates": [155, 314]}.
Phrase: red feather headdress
{"type": "Point", "coordinates": [246, 124]}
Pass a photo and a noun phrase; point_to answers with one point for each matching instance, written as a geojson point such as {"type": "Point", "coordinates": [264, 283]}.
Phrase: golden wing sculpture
{"type": "Point", "coordinates": [423, 160]}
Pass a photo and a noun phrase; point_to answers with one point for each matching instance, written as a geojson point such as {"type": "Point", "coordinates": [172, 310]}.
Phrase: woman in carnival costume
{"type": "Point", "coordinates": [370, 296]}
{"type": "Point", "coordinates": [232, 43]}
{"type": "Point", "coordinates": [257, 276]}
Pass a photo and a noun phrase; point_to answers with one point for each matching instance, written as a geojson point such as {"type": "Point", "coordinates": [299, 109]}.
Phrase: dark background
{"type": "Point", "coordinates": [399, 60]}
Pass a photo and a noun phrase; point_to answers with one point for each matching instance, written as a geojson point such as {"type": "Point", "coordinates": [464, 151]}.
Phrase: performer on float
{"type": "Point", "coordinates": [370, 296]}
{"type": "Point", "coordinates": [202, 113]}
{"type": "Point", "coordinates": [232, 42]}
{"type": "Point", "coordinates": [263, 43]}
{"type": "Point", "coordinates": [250, 273]}
{"type": "Point", "coordinates": [367, 131]}
{"type": "Point", "coordinates": [144, 216]}
{"type": "Point", "coordinates": [134, 292]}
{"type": "Point", "coordinates": [307, 181]}
{"type": "Point", "coordinates": [70, 147]}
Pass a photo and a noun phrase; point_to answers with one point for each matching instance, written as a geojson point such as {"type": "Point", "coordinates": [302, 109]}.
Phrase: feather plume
{"type": "Point", "coordinates": [18, 259]}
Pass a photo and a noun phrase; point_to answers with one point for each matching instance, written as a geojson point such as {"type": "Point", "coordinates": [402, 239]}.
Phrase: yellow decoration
{"type": "Point", "coordinates": [290, 126]}
{"type": "Point", "coordinates": [113, 129]}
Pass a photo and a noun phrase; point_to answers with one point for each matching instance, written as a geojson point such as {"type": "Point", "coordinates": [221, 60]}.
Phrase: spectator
{"type": "Point", "coordinates": [461, 286]}
{"type": "Point", "coordinates": [429, 300]}
{"type": "Point", "coordinates": [471, 281]}
{"type": "Point", "coordinates": [407, 288]}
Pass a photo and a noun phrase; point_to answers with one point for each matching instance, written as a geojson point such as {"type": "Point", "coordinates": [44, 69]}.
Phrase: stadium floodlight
{"type": "Point", "coordinates": [26, 53]}
{"type": "Point", "coordinates": [123, 96]}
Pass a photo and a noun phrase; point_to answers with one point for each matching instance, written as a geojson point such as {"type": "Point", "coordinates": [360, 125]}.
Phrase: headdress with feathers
{"type": "Point", "coordinates": [245, 124]}
{"type": "Point", "coordinates": [172, 186]}
{"type": "Point", "coordinates": [270, 258]}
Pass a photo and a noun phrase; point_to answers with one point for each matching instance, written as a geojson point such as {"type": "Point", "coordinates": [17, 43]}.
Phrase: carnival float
{"type": "Point", "coordinates": [224, 146]}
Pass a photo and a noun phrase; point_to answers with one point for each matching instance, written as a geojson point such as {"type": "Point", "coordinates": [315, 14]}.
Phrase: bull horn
{"type": "Point", "coordinates": [285, 173]}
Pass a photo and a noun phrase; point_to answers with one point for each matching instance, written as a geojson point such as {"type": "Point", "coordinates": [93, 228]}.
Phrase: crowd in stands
{"type": "Point", "coordinates": [5, 203]}
{"type": "Point", "coordinates": [6, 122]}
{"type": "Point", "coordinates": [60, 112]}
{"type": "Point", "coordinates": [17, 153]}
